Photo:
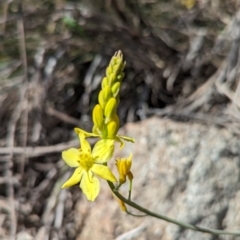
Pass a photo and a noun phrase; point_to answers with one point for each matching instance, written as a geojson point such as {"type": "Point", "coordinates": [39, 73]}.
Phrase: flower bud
{"type": "Point", "coordinates": [111, 79]}
{"type": "Point", "coordinates": [106, 93]}
{"type": "Point", "coordinates": [101, 99]}
{"type": "Point", "coordinates": [97, 116]}
{"type": "Point", "coordinates": [115, 119]}
{"type": "Point", "coordinates": [112, 129]}
{"type": "Point", "coordinates": [123, 166]}
{"type": "Point", "coordinates": [104, 82]}
{"type": "Point", "coordinates": [115, 89]}
{"type": "Point", "coordinates": [110, 109]}
{"type": "Point", "coordinates": [109, 70]}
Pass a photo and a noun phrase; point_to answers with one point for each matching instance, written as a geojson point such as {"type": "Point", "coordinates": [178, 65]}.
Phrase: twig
{"type": "Point", "coordinates": [62, 116]}
{"type": "Point", "coordinates": [24, 119]}
{"type": "Point", "coordinates": [132, 233]}
{"type": "Point", "coordinates": [59, 212]}
{"type": "Point", "coordinates": [10, 143]}
{"type": "Point", "coordinates": [40, 151]}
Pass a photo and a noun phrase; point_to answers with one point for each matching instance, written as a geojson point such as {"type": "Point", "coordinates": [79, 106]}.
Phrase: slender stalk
{"type": "Point", "coordinates": [136, 215]}
{"type": "Point", "coordinates": [171, 220]}
{"type": "Point", "coordinates": [130, 190]}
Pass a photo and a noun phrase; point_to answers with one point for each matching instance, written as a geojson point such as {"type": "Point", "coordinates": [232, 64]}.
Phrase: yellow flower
{"type": "Point", "coordinates": [123, 166]}
{"type": "Point", "coordinates": [87, 164]}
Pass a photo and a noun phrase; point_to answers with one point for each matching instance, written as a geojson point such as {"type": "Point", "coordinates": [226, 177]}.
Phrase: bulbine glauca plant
{"type": "Point", "coordinates": [91, 163]}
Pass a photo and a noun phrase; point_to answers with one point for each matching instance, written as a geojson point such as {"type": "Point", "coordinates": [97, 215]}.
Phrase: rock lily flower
{"type": "Point", "coordinates": [124, 166]}
{"type": "Point", "coordinates": [88, 164]}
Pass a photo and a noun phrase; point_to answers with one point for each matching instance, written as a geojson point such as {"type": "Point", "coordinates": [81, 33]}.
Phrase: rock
{"type": "Point", "coordinates": [186, 171]}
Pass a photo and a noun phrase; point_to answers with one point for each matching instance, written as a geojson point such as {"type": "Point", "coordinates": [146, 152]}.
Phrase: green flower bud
{"type": "Point", "coordinates": [97, 116]}
{"type": "Point", "coordinates": [110, 109]}
{"type": "Point", "coordinates": [115, 88]}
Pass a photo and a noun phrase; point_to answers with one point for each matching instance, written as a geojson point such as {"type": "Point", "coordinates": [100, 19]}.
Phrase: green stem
{"type": "Point", "coordinates": [136, 215]}
{"type": "Point", "coordinates": [130, 190]}
{"type": "Point", "coordinates": [171, 220]}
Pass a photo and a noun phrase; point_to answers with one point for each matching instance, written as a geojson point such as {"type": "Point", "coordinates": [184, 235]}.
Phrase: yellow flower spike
{"type": "Point", "coordinates": [87, 165]}
{"type": "Point", "coordinates": [97, 116]}
{"type": "Point", "coordinates": [115, 89]}
{"type": "Point", "coordinates": [110, 109]}
{"type": "Point", "coordinates": [108, 100]}
{"type": "Point", "coordinates": [123, 166]}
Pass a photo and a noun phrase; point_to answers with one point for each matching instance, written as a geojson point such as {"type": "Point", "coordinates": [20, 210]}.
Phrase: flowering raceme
{"type": "Point", "coordinates": [105, 118]}
{"type": "Point", "coordinates": [106, 125]}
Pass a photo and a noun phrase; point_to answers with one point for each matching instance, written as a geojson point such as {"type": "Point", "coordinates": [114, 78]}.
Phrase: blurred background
{"type": "Point", "coordinates": [182, 63]}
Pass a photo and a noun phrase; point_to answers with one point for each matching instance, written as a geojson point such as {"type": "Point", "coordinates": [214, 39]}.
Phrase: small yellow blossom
{"type": "Point", "coordinates": [124, 166]}
{"type": "Point", "coordinates": [87, 164]}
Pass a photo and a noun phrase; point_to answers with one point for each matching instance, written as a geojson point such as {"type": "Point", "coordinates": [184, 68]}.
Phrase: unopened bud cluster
{"type": "Point", "coordinates": [124, 166]}
{"type": "Point", "coordinates": [105, 119]}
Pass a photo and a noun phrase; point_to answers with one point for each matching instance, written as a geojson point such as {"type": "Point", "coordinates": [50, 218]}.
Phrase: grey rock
{"type": "Point", "coordinates": [187, 171]}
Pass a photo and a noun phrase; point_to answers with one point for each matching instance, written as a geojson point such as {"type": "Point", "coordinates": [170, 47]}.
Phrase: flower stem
{"type": "Point", "coordinates": [171, 220]}
{"type": "Point", "coordinates": [130, 190]}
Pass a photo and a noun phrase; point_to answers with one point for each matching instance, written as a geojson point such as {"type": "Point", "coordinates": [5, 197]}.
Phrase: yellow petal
{"type": "Point", "coordinates": [71, 157]}
{"type": "Point", "coordinates": [122, 144]}
{"type": "Point", "coordinates": [103, 172]}
{"type": "Point", "coordinates": [74, 179]}
{"type": "Point", "coordinates": [84, 143]}
{"type": "Point", "coordinates": [122, 204]}
{"type": "Point", "coordinates": [90, 186]}
{"type": "Point", "coordinates": [87, 134]}
{"type": "Point", "coordinates": [128, 139]}
{"type": "Point", "coordinates": [103, 150]}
